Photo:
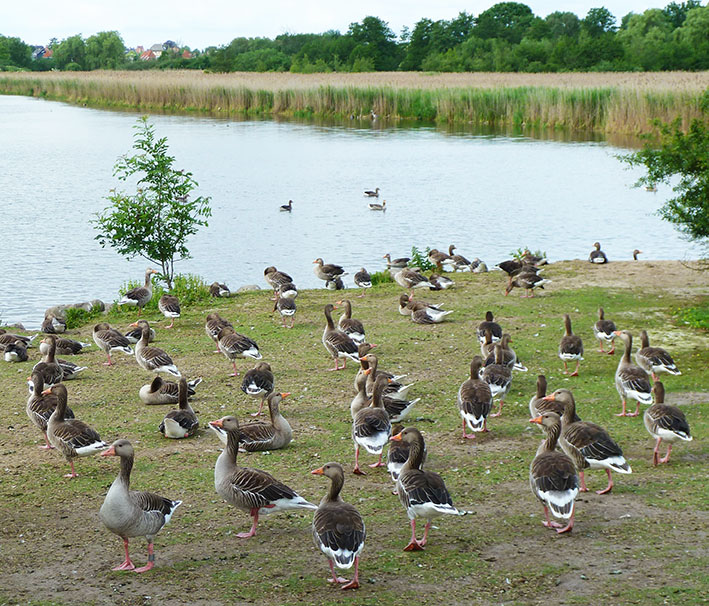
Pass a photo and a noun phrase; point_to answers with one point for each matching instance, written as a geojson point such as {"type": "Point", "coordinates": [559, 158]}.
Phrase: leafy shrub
{"type": "Point", "coordinates": [77, 316]}
{"type": "Point", "coordinates": [420, 259]}
{"type": "Point", "coordinates": [519, 253]}
{"type": "Point", "coordinates": [381, 277]}
{"type": "Point", "coordinates": [696, 317]}
{"type": "Point", "coordinates": [190, 289]}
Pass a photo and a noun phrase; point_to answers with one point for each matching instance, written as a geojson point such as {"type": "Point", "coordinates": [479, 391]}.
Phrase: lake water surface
{"type": "Point", "coordinates": [487, 194]}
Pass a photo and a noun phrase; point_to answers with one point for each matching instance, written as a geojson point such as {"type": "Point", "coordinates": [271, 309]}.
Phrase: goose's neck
{"type": "Point", "coordinates": [475, 366]}
{"type": "Point", "coordinates": [567, 325]}
{"type": "Point", "coordinates": [644, 340]}
{"type": "Point", "coordinates": [51, 352]}
{"type": "Point", "coordinates": [415, 459]}
{"type": "Point", "coordinates": [549, 444]}
{"type": "Point", "coordinates": [336, 484]}
{"type": "Point", "coordinates": [628, 349]}
{"type": "Point", "coordinates": [226, 462]}
{"type": "Point", "coordinates": [569, 411]}
{"type": "Point", "coordinates": [541, 387]}
{"type": "Point", "coordinates": [182, 397]}
{"type": "Point", "coordinates": [148, 281]}
{"type": "Point", "coordinates": [328, 317]}
{"type": "Point", "coordinates": [124, 473]}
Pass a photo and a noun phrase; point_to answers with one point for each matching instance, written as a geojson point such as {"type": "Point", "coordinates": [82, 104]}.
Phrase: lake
{"type": "Point", "coordinates": [488, 194]}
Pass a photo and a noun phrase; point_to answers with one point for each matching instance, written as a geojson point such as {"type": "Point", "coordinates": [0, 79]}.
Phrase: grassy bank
{"type": "Point", "coordinates": [612, 102]}
{"type": "Point", "coordinates": [643, 543]}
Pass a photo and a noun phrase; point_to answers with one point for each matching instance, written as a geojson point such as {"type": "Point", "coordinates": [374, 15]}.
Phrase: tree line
{"type": "Point", "coordinates": [506, 37]}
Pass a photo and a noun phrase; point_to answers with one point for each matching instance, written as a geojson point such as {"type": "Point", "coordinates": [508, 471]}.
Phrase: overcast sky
{"type": "Point", "coordinates": [201, 23]}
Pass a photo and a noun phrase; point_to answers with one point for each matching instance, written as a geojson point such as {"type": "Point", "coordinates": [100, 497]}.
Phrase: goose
{"type": "Point", "coordinates": [275, 278]}
{"type": "Point", "coordinates": [286, 208]}
{"type": "Point", "coordinates": [169, 306]}
{"type": "Point", "coordinates": [399, 263]}
{"type": "Point", "coordinates": [440, 282]}
{"type": "Point", "coordinates": [423, 313]}
{"type": "Point", "coordinates": [328, 272]}
{"type": "Point", "coordinates": [133, 513]}
{"type": "Point", "coordinates": [252, 490]}
{"type": "Point", "coordinates": [665, 422]}
{"type": "Point", "coordinates": [336, 284]}
{"type": "Point", "coordinates": [353, 328]}
{"type": "Point", "coordinates": [133, 335]}
{"type": "Point", "coordinates": [15, 352]}
{"type": "Point", "coordinates": [235, 345]}
{"type": "Point", "coordinates": [41, 406]}
{"type": "Point", "coordinates": [362, 350]}
{"type": "Point", "coordinates": [338, 528]}
{"type": "Point", "coordinates": [183, 422]}
{"type": "Point", "coordinates": [597, 255]}
{"type": "Point", "coordinates": [630, 379]}
{"type": "Point", "coordinates": [286, 307]}
{"type": "Point", "coordinates": [407, 305]}
{"type": "Point", "coordinates": [528, 281]}
{"type": "Point", "coordinates": [509, 357]}
{"type": "Point", "coordinates": [287, 290]}
{"type": "Point", "coordinates": [65, 347]}
{"type": "Point", "coordinates": [398, 454]}
{"type": "Point", "coordinates": [256, 436]}
{"type": "Point", "coordinates": [394, 389]}
{"type": "Point", "coordinates": [636, 252]}
{"type": "Point", "coordinates": [410, 279]}
{"type": "Point", "coordinates": [498, 377]}
{"type": "Point", "coordinates": [439, 259]}
{"type": "Point", "coordinates": [530, 259]}
{"type": "Point", "coordinates": [218, 290]}
{"type": "Point", "coordinates": [479, 267]}
{"type": "Point", "coordinates": [110, 340]}
{"type": "Point", "coordinates": [538, 405]}
{"type": "Point", "coordinates": [604, 331]}
{"type": "Point", "coordinates": [258, 383]}
{"type": "Point", "coordinates": [162, 391]}
{"type": "Point", "coordinates": [474, 400]}
{"type": "Point", "coordinates": [51, 370]}
{"type": "Point", "coordinates": [73, 438]}
{"type": "Point", "coordinates": [510, 267]}
{"type": "Point", "coordinates": [459, 261]}
{"type": "Point", "coordinates": [375, 206]}
{"type": "Point", "coordinates": [372, 194]}
{"type": "Point", "coordinates": [396, 407]}
{"type": "Point", "coordinates": [152, 359]}
{"type": "Point", "coordinates": [422, 493]}
{"type": "Point", "coordinates": [213, 326]}
{"type": "Point", "coordinates": [69, 369]}
{"type": "Point", "coordinates": [494, 327]}
{"type": "Point", "coordinates": [552, 475]}
{"type": "Point", "coordinates": [363, 280]}
{"type": "Point", "coordinates": [371, 427]}
{"type": "Point", "coordinates": [7, 338]}
{"type": "Point", "coordinates": [654, 360]}
{"type": "Point", "coordinates": [337, 343]}
{"type": "Point", "coordinates": [570, 348]}
{"type": "Point", "coordinates": [588, 444]}
{"type": "Point", "coordinates": [141, 295]}
{"type": "Point", "coordinates": [53, 324]}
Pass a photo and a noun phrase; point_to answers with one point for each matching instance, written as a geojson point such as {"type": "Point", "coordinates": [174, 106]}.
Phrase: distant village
{"type": "Point", "coordinates": [139, 53]}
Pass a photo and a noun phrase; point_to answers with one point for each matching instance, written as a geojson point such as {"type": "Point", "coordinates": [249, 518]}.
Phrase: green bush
{"type": "Point", "coordinates": [420, 259]}
{"type": "Point", "coordinates": [696, 317]}
{"type": "Point", "coordinates": [381, 277]}
{"type": "Point", "coordinates": [77, 316]}
{"type": "Point", "coordinates": [190, 289]}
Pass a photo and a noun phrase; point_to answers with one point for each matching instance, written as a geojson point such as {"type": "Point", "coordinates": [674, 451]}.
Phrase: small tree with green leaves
{"type": "Point", "coordinates": [156, 221]}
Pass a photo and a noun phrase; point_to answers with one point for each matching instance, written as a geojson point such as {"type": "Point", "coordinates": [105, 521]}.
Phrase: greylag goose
{"type": "Point", "coordinates": [604, 331]}
{"type": "Point", "coordinates": [288, 290]}
{"type": "Point", "coordinates": [169, 306]}
{"type": "Point", "coordinates": [69, 369]}
{"type": "Point", "coordinates": [588, 444]}
{"type": "Point", "coordinates": [328, 272]}
{"type": "Point", "coordinates": [570, 348]}
{"type": "Point", "coordinates": [15, 352]}
{"type": "Point", "coordinates": [423, 313]}
{"type": "Point", "coordinates": [636, 252]}
{"type": "Point", "coordinates": [257, 435]}
{"type": "Point", "coordinates": [258, 383]}
{"type": "Point", "coordinates": [528, 281]}
{"type": "Point", "coordinates": [252, 490]}
{"type": "Point", "coordinates": [372, 194]}
{"type": "Point", "coordinates": [474, 400]}
{"type": "Point", "coordinates": [213, 326]}
{"type": "Point", "coordinates": [275, 278]}
{"type": "Point", "coordinates": [183, 422]}
{"type": "Point", "coordinates": [363, 280]}
{"type": "Point", "coordinates": [110, 340]}
{"type": "Point", "coordinates": [538, 405]}
{"type": "Point", "coordinates": [353, 328]}
{"type": "Point", "coordinates": [234, 345]}
{"type": "Point", "coordinates": [440, 282]}
{"type": "Point", "coordinates": [459, 261]}
{"type": "Point", "coordinates": [133, 335]}
{"type": "Point", "coordinates": [153, 359]}
{"type": "Point", "coordinates": [337, 343]}
{"type": "Point", "coordinates": [371, 427]}
{"type": "Point", "coordinates": [362, 350]}
{"type": "Point", "coordinates": [398, 454]}
{"type": "Point", "coordinates": [376, 206]}
{"type": "Point", "coordinates": [141, 295]}
{"type": "Point", "coordinates": [439, 259]}
{"type": "Point", "coordinates": [41, 406]}
{"type": "Point", "coordinates": [510, 267]}
{"type": "Point", "coordinates": [286, 208]}
{"type": "Point", "coordinates": [396, 406]}
{"type": "Point", "coordinates": [597, 255]}
{"type": "Point", "coordinates": [393, 389]}
{"type": "Point", "coordinates": [410, 279]}
{"type": "Point", "coordinates": [218, 290]}
{"type": "Point", "coordinates": [398, 263]}
{"type": "Point", "coordinates": [498, 377]}
{"type": "Point", "coordinates": [509, 357]}
{"type": "Point", "coordinates": [133, 513]}
{"type": "Point", "coordinates": [665, 422]}
{"type": "Point", "coordinates": [630, 379]}
{"type": "Point", "coordinates": [286, 307]}
{"type": "Point", "coordinates": [422, 493]}
{"type": "Point", "coordinates": [7, 338]}
{"type": "Point", "coordinates": [53, 324]}
{"type": "Point", "coordinates": [552, 475]}
{"type": "Point", "coordinates": [161, 391]}
{"type": "Point", "coordinates": [654, 360]}
{"type": "Point", "coordinates": [530, 259]}
{"type": "Point", "coordinates": [407, 305]}
{"type": "Point", "coordinates": [336, 284]}
{"type": "Point", "coordinates": [338, 529]}
{"type": "Point", "coordinates": [494, 327]}
{"type": "Point", "coordinates": [51, 370]}
{"type": "Point", "coordinates": [73, 438]}
{"type": "Point", "coordinates": [479, 267]}
{"type": "Point", "coordinates": [65, 347]}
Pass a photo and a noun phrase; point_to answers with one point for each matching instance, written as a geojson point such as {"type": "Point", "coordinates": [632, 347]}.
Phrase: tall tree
{"type": "Point", "coordinates": [70, 52]}
{"type": "Point", "coordinates": [376, 41]}
{"type": "Point", "coordinates": [599, 21]}
{"type": "Point", "coordinates": [506, 20]}
{"type": "Point", "coordinates": [105, 50]}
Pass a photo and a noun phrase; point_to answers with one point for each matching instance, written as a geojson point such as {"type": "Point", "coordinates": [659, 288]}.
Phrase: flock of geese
{"type": "Point", "coordinates": [379, 406]}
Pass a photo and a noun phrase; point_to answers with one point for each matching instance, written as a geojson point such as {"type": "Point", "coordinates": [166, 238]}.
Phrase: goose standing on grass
{"type": "Point", "coordinates": [169, 306]}
{"type": "Point", "coordinates": [372, 194]}
{"type": "Point", "coordinates": [218, 290]}
{"type": "Point", "coordinates": [287, 290]}
{"type": "Point", "coordinates": [275, 278]}
{"type": "Point", "coordinates": [665, 422]}
{"type": "Point", "coordinates": [328, 272]}
{"type": "Point", "coordinates": [527, 281]}
{"type": "Point", "coordinates": [50, 369]}
{"type": "Point", "coordinates": [110, 340]}
{"type": "Point", "coordinates": [183, 422]}
{"type": "Point", "coordinates": [286, 308]}
{"type": "Point", "coordinates": [141, 295]}
{"type": "Point", "coordinates": [376, 206]}
{"type": "Point", "coordinates": [152, 359]}
{"type": "Point", "coordinates": [630, 379]}
{"type": "Point", "coordinates": [15, 352]}
{"type": "Point", "coordinates": [371, 427]}
{"type": "Point", "coordinates": [410, 279]}
{"type": "Point", "coordinates": [474, 400]}
{"type": "Point", "coordinates": [161, 391]}
{"type": "Point", "coordinates": [133, 335]}
{"type": "Point", "coordinates": [337, 343]}
{"type": "Point", "coordinates": [258, 383]}
{"type": "Point", "coordinates": [338, 529]}
{"type": "Point", "coordinates": [552, 475]}
{"type": "Point", "coordinates": [654, 360]}
{"type": "Point", "coordinates": [499, 377]}
{"type": "Point", "coordinates": [132, 513]}
{"type": "Point", "coordinates": [597, 255]}
{"type": "Point", "coordinates": [286, 208]}
{"type": "Point", "coordinates": [73, 438]}
{"type": "Point", "coordinates": [422, 493]}
{"type": "Point", "coordinates": [353, 328]}
{"type": "Point", "coordinates": [234, 345]}
{"type": "Point", "coordinates": [570, 348]}
{"type": "Point", "coordinates": [53, 324]}
{"type": "Point", "coordinates": [40, 407]}
{"type": "Point", "coordinates": [363, 280]}
{"type": "Point", "coordinates": [459, 261]}
{"type": "Point", "coordinates": [604, 331]}
{"type": "Point", "coordinates": [588, 444]}
{"type": "Point", "coordinates": [539, 405]}
{"type": "Point", "coordinates": [252, 490]}
{"type": "Point", "coordinates": [489, 324]}
{"type": "Point", "coordinates": [65, 347]}
{"type": "Point", "coordinates": [213, 326]}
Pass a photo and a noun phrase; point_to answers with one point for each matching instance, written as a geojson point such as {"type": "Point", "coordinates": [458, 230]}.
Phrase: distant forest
{"type": "Point", "coordinates": [507, 37]}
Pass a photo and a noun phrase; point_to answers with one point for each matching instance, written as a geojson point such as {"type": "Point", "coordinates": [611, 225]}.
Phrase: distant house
{"type": "Point", "coordinates": [157, 50]}
{"type": "Point", "coordinates": [186, 54]}
{"type": "Point", "coordinates": [147, 55]}
{"type": "Point", "coordinates": [41, 52]}
{"type": "Point", "coordinates": [139, 49]}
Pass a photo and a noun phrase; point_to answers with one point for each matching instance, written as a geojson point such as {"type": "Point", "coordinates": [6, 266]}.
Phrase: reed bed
{"type": "Point", "coordinates": [604, 102]}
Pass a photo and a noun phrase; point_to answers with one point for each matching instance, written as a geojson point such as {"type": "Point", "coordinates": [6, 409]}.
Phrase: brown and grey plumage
{"type": "Point", "coordinates": [352, 327]}
{"type": "Point", "coordinates": [235, 345]}
{"type": "Point", "coordinates": [408, 278]}
{"type": "Point", "coordinates": [275, 278]}
{"type": "Point", "coordinates": [597, 255]}
{"type": "Point", "coordinates": [40, 407]}
{"type": "Point", "coordinates": [398, 454]}
{"type": "Point", "coordinates": [213, 326]}
{"type": "Point", "coordinates": [570, 348]}
{"type": "Point", "coordinates": [258, 383]}
{"type": "Point", "coordinates": [538, 405]}
{"type": "Point", "coordinates": [631, 380]}
{"type": "Point", "coordinates": [654, 360]}
{"type": "Point", "coordinates": [132, 513]}
{"type": "Point", "coordinates": [459, 261]}
{"type": "Point", "coordinates": [50, 369]}
{"type": "Point", "coordinates": [133, 335]}
{"type": "Point", "coordinates": [527, 281]}
{"type": "Point", "coordinates": [162, 391]}
{"type": "Point", "coordinates": [328, 271]}
{"type": "Point", "coordinates": [396, 406]}
{"type": "Point", "coordinates": [15, 352]}
{"type": "Point", "coordinates": [286, 307]}
{"type": "Point", "coordinates": [499, 377]}
{"type": "Point", "coordinates": [257, 435]}
{"type": "Point", "coordinates": [371, 426]}
{"type": "Point", "coordinates": [73, 438]}
{"type": "Point", "coordinates": [65, 347]}
{"type": "Point", "coordinates": [604, 331]}
{"type": "Point", "coordinates": [474, 400]}
{"type": "Point", "coordinates": [218, 290]}
{"type": "Point", "coordinates": [398, 263]}
{"type": "Point", "coordinates": [7, 338]}
{"type": "Point", "coordinates": [509, 357]}
{"type": "Point", "coordinates": [439, 258]}
{"type": "Point", "coordinates": [287, 290]}
{"type": "Point", "coordinates": [338, 528]}
{"type": "Point", "coordinates": [336, 342]}
{"type": "Point", "coordinates": [665, 422]}
{"type": "Point", "coordinates": [552, 475]}
{"type": "Point", "coordinates": [511, 266]}
{"type": "Point", "coordinates": [139, 296]}
{"type": "Point", "coordinates": [394, 388]}
{"type": "Point", "coordinates": [636, 252]}
{"type": "Point", "coordinates": [53, 324]}
{"type": "Point", "coordinates": [363, 280]}
{"type": "Point", "coordinates": [110, 340]}
{"type": "Point", "coordinates": [183, 422]}
{"type": "Point", "coordinates": [251, 490]}
{"type": "Point", "coordinates": [169, 306]}
{"type": "Point", "coordinates": [153, 359]}
{"type": "Point", "coordinates": [489, 324]}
